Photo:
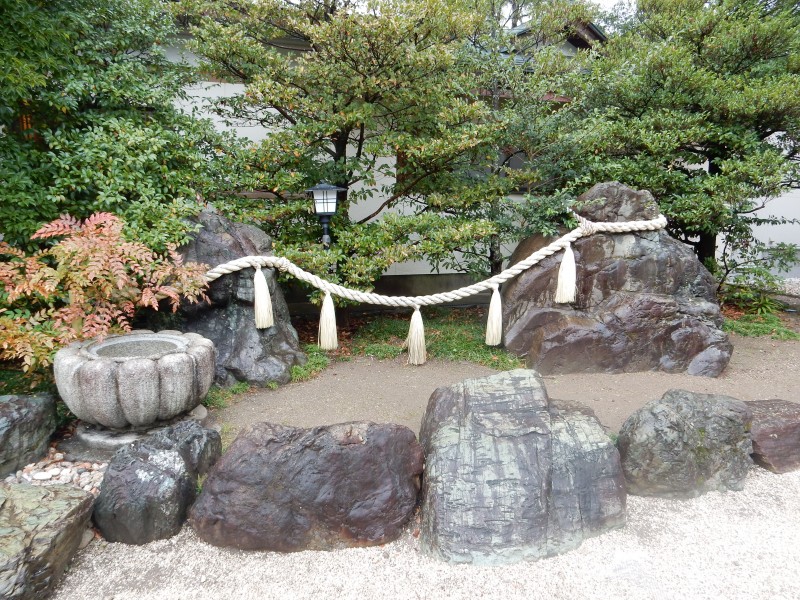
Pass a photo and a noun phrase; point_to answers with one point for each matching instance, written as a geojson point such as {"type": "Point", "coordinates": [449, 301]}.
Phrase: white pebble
{"type": "Point", "coordinates": [42, 476]}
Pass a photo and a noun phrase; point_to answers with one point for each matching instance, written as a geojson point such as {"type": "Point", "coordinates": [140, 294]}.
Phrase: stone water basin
{"type": "Point", "coordinates": [135, 379]}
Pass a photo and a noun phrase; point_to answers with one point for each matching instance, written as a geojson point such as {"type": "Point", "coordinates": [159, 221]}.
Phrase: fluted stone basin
{"type": "Point", "coordinates": [135, 379]}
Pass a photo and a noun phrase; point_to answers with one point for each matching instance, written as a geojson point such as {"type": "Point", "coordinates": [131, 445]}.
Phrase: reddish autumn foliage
{"type": "Point", "coordinates": [88, 284]}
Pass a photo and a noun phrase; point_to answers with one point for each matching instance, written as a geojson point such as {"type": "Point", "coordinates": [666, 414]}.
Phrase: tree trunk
{"type": "Point", "coordinates": [706, 248]}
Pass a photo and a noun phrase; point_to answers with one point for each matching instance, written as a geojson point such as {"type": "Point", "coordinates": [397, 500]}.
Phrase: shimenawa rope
{"type": "Point", "coordinates": [415, 342]}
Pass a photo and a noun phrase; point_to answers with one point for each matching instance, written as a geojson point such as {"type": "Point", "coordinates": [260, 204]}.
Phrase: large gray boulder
{"type": "Point", "coordinates": [40, 531]}
{"type": "Point", "coordinates": [686, 444]}
{"type": "Point", "coordinates": [511, 475]}
{"type": "Point", "coordinates": [776, 434]}
{"type": "Point", "coordinates": [150, 484]}
{"type": "Point", "coordinates": [644, 302]}
{"type": "Point", "coordinates": [244, 353]}
{"type": "Point", "coordinates": [287, 489]}
{"type": "Point", "coordinates": [26, 424]}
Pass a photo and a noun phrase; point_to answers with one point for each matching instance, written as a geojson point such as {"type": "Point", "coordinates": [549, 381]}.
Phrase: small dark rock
{"type": "Point", "coordinates": [686, 444]}
{"type": "Point", "coordinates": [151, 483]}
{"type": "Point", "coordinates": [776, 434]}
{"type": "Point", "coordinates": [286, 489]}
{"type": "Point", "coordinates": [26, 424]}
{"type": "Point", "coordinates": [145, 495]}
{"type": "Point", "coordinates": [510, 475]}
{"type": "Point", "coordinates": [40, 531]}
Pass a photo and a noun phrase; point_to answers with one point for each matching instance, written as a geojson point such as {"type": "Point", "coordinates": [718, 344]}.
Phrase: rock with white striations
{"type": "Point", "coordinates": [511, 475]}
{"type": "Point", "coordinates": [685, 444]}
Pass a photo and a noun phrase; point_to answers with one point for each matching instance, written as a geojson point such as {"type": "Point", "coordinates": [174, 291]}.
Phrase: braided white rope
{"type": "Point", "coordinates": [584, 228]}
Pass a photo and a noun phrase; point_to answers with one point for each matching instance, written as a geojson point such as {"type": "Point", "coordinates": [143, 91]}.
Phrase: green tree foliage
{"type": "Point", "coordinates": [696, 101]}
{"type": "Point", "coordinates": [390, 100]}
{"type": "Point", "coordinates": [88, 122]}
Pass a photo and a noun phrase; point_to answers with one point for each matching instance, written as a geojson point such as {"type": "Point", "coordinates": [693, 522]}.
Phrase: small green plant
{"type": "Point", "coordinates": [760, 325]}
{"type": "Point", "coordinates": [382, 351]}
{"type": "Point", "coordinates": [201, 479]}
{"type": "Point", "coordinates": [272, 385]}
{"type": "Point", "coordinates": [451, 334]}
{"type": "Point", "coordinates": [227, 433]}
{"type": "Point", "coordinates": [316, 363]}
{"type": "Point", "coordinates": [218, 397]}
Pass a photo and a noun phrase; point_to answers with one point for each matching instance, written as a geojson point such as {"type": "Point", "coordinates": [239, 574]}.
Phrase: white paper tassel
{"type": "Point", "coordinates": [416, 340]}
{"type": "Point", "coordinates": [262, 301]}
{"type": "Point", "coordinates": [567, 278]}
{"type": "Point", "coordinates": [494, 324]}
{"type": "Point", "coordinates": [327, 325]}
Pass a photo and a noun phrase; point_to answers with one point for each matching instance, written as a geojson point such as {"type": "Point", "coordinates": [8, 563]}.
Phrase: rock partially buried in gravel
{"type": "Point", "coordinates": [26, 424]}
{"type": "Point", "coordinates": [287, 489]}
{"type": "Point", "coordinates": [510, 475]}
{"type": "Point", "coordinates": [40, 531]}
{"type": "Point", "coordinates": [776, 434]}
{"type": "Point", "coordinates": [686, 444]}
{"type": "Point", "coordinates": [150, 484]}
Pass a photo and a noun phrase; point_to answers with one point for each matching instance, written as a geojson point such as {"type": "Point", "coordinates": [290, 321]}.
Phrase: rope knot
{"type": "Point", "coordinates": [587, 227]}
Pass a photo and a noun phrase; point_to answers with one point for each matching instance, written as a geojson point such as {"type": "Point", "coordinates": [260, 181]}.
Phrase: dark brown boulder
{"type": "Point", "coordinates": [287, 489]}
{"type": "Point", "coordinates": [244, 353]}
{"type": "Point", "coordinates": [644, 302]}
{"type": "Point", "coordinates": [776, 434]}
{"type": "Point", "coordinates": [685, 444]}
{"type": "Point", "coordinates": [511, 475]}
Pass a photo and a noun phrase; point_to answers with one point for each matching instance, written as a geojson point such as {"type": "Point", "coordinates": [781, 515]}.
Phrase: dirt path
{"type": "Point", "coordinates": [391, 391]}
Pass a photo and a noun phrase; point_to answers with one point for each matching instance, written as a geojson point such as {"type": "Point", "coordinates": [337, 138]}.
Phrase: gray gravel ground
{"type": "Point", "coordinates": [734, 545]}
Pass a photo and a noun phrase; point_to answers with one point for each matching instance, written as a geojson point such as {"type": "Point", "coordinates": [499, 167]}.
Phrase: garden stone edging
{"type": "Point", "coordinates": [41, 529]}
{"type": "Point", "coordinates": [288, 489]}
{"type": "Point", "coordinates": [776, 434]}
{"type": "Point", "coordinates": [685, 444]}
{"type": "Point", "coordinates": [150, 484]}
{"type": "Point", "coordinates": [511, 475]}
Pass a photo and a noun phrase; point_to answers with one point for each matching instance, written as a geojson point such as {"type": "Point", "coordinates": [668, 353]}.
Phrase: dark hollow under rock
{"type": "Point", "coordinates": [244, 353]}
{"type": "Point", "coordinates": [776, 434]}
{"type": "Point", "coordinates": [40, 531]}
{"type": "Point", "coordinates": [685, 444]}
{"type": "Point", "coordinates": [644, 302]}
{"type": "Point", "coordinates": [287, 489]}
{"type": "Point", "coordinates": [511, 475]}
{"type": "Point", "coordinates": [26, 424]}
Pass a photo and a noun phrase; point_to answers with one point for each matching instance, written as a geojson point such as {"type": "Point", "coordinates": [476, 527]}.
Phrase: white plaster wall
{"type": "Point", "coordinates": [787, 206]}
